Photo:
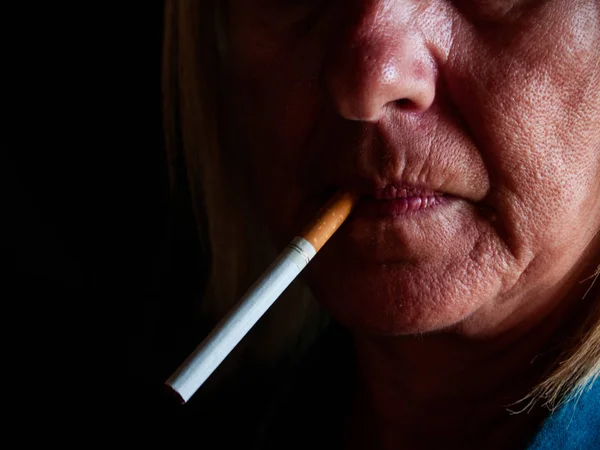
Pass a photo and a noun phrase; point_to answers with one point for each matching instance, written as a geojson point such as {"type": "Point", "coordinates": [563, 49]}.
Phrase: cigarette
{"type": "Point", "coordinates": [233, 327]}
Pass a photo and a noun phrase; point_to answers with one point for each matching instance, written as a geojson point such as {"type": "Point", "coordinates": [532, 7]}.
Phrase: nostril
{"type": "Point", "coordinates": [405, 104]}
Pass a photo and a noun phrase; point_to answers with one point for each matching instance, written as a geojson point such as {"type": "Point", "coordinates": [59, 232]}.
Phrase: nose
{"type": "Point", "coordinates": [380, 64]}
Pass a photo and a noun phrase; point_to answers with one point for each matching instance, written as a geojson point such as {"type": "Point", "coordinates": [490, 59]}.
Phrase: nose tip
{"type": "Point", "coordinates": [369, 103]}
{"type": "Point", "coordinates": [383, 70]}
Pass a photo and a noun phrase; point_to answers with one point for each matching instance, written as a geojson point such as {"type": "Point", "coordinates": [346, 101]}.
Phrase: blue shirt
{"type": "Point", "coordinates": [573, 426]}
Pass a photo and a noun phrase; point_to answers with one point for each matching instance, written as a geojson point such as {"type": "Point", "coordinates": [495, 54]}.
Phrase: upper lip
{"type": "Point", "coordinates": [400, 157]}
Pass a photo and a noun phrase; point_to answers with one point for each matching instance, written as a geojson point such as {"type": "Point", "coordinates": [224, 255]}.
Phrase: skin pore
{"type": "Point", "coordinates": [493, 106]}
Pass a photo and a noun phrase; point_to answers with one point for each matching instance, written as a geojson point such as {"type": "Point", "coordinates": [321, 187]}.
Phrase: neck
{"type": "Point", "coordinates": [456, 389]}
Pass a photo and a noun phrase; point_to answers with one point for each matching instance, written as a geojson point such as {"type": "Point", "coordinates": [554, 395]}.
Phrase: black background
{"type": "Point", "coordinates": [101, 266]}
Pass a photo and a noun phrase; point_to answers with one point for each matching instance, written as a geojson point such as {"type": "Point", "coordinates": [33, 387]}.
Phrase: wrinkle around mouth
{"type": "Point", "coordinates": [408, 152]}
{"type": "Point", "coordinates": [438, 156]}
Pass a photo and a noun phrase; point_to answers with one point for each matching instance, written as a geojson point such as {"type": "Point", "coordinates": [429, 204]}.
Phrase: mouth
{"type": "Point", "coordinates": [399, 200]}
{"type": "Point", "coordinates": [392, 201]}
{"type": "Point", "coordinates": [395, 222]}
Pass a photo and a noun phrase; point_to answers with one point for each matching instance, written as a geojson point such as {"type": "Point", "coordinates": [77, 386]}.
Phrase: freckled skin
{"type": "Point", "coordinates": [496, 102]}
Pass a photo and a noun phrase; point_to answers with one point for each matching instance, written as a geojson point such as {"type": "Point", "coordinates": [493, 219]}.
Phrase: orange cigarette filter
{"type": "Point", "coordinates": [234, 326]}
{"type": "Point", "coordinates": [330, 218]}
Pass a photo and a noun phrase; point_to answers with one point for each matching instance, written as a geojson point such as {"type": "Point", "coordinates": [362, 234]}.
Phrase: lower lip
{"type": "Point", "coordinates": [398, 207]}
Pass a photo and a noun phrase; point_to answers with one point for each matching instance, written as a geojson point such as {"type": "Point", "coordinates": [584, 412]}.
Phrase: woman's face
{"type": "Point", "coordinates": [471, 128]}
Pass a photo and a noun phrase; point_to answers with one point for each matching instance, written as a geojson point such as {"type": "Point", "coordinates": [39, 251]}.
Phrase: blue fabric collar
{"type": "Point", "coordinates": [573, 426]}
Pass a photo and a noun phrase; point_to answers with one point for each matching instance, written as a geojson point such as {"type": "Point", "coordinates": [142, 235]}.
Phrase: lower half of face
{"type": "Point", "coordinates": [488, 235]}
{"type": "Point", "coordinates": [420, 272]}
{"type": "Point", "coordinates": [447, 268]}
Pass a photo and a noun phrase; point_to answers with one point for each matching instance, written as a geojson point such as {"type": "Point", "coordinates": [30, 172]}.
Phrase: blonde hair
{"type": "Point", "coordinates": [240, 247]}
{"type": "Point", "coordinates": [578, 367]}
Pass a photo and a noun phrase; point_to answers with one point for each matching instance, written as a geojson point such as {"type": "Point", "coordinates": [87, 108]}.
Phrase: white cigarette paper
{"type": "Point", "coordinates": [230, 331]}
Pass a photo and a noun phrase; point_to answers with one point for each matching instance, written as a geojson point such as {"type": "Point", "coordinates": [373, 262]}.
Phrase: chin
{"type": "Point", "coordinates": [398, 299]}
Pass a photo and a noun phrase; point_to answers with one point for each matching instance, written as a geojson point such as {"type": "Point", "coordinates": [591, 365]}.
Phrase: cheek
{"type": "Point", "coordinates": [274, 85]}
{"type": "Point", "coordinates": [273, 98]}
{"type": "Point", "coordinates": [534, 109]}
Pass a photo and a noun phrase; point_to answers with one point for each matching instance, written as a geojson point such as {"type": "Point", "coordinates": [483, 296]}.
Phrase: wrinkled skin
{"type": "Point", "coordinates": [493, 103]}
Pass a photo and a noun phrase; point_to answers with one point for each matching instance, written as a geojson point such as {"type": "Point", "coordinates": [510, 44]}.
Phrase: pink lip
{"type": "Point", "coordinates": [398, 200]}
{"type": "Point", "coordinates": [400, 191]}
